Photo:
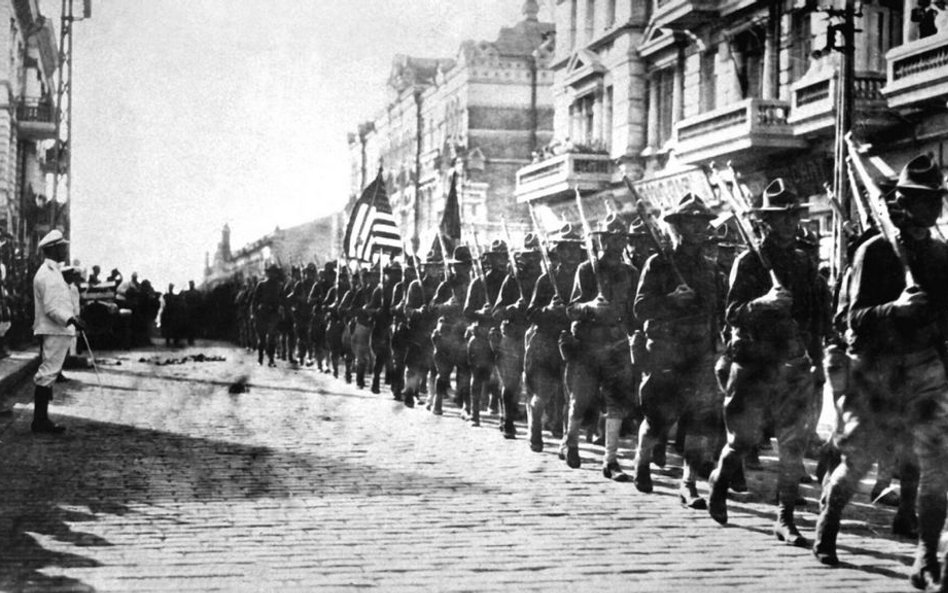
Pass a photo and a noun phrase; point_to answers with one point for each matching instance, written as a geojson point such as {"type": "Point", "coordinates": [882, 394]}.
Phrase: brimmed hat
{"type": "Point", "coordinates": [777, 197]}
{"type": "Point", "coordinates": [689, 206]}
{"type": "Point", "coordinates": [433, 257]}
{"type": "Point", "coordinates": [611, 225]}
{"type": "Point", "coordinates": [498, 246]}
{"type": "Point", "coordinates": [53, 237]}
{"type": "Point", "coordinates": [462, 255]}
{"type": "Point", "coordinates": [530, 243]}
{"type": "Point", "coordinates": [273, 268]}
{"type": "Point", "coordinates": [921, 174]}
{"type": "Point", "coordinates": [567, 234]}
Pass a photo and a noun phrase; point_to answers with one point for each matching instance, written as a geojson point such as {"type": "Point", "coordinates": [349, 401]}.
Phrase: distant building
{"type": "Point", "coordinates": [295, 246]}
{"type": "Point", "coordinates": [483, 114]}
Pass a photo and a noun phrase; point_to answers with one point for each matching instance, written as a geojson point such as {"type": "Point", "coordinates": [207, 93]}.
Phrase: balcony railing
{"type": "Point", "coordinates": [813, 102]}
{"type": "Point", "coordinates": [563, 173]}
{"type": "Point", "coordinates": [36, 119]}
{"type": "Point", "coordinates": [917, 72]}
{"type": "Point", "coordinates": [751, 124]}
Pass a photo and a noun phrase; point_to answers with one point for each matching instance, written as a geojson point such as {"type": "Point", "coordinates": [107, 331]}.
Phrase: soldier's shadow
{"type": "Point", "coordinates": [56, 488]}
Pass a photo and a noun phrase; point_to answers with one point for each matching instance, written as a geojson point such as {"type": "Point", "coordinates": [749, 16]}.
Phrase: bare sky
{"type": "Point", "coordinates": [192, 113]}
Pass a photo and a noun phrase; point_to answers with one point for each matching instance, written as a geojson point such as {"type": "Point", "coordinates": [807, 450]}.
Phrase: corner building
{"type": "Point", "coordinates": [482, 114]}
{"type": "Point", "coordinates": [660, 89]}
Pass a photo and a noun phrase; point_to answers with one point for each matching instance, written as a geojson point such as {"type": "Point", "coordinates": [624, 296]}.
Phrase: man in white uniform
{"type": "Point", "coordinates": [53, 323]}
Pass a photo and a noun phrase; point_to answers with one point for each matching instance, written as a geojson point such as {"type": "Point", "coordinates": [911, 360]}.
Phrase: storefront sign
{"type": "Point", "coordinates": [665, 192]}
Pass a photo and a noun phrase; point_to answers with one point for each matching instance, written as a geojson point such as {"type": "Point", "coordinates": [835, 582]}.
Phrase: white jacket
{"type": "Point", "coordinates": [51, 301]}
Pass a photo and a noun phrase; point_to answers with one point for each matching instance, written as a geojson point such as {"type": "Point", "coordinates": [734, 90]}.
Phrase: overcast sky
{"type": "Point", "coordinates": [192, 113]}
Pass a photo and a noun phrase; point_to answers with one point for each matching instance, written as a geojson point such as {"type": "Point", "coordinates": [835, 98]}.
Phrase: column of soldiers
{"type": "Point", "coordinates": [634, 337]}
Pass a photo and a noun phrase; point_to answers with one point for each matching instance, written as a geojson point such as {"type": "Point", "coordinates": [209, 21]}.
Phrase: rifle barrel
{"type": "Point", "coordinates": [544, 255]}
{"type": "Point", "coordinates": [590, 250]}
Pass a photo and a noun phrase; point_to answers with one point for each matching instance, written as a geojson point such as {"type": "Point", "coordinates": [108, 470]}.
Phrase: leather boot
{"type": "Point", "coordinates": [785, 529]}
{"type": "Point", "coordinates": [834, 499]}
{"type": "Point", "coordinates": [643, 458]}
{"type": "Point", "coordinates": [931, 520]}
{"type": "Point", "coordinates": [610, 464]}
{"type": "Point", "coordinates": [41, 422]}
{"type": "Point", "coordinates": [688, 495]}
{"type": "Point", "coordinates": [376, 388]}
{"type": "Point", "coordinates": [719, 481]}
{"type": "Point", "coordinates": [905, 522]}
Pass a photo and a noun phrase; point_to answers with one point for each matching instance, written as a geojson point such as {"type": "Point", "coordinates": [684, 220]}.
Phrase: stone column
{"type": "Point", "coordinates": [909, 30]}
{"type": "Point", "coordinates": [678, 92]}
{"type": "Point", "coordinates": [652, 140]}
{"type": "Point", "coordinates": [771, 53]}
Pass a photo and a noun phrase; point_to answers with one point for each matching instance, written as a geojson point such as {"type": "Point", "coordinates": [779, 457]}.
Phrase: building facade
{"type": "Point", "coordinates": [660, 89]}
{"type": "Point", "coordinates": [310, 242]}
{"type": "Point", "coordinates": [482, 114]}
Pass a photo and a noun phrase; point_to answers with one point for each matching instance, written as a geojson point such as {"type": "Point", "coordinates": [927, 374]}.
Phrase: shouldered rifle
{"type": "Point", "coordinates": [742, 221]}
{"type": "Point", "coordinates": [544, 255]}
{"type": "Point", "coordinates": [847, 225]}
{"type": "Point", "coordinates": [588, 241]}
{"type": "Point", "coordinates": [444, 256]}
{"type": "Point", "coordinates": [479, 268]}
{"type": "Point", "coordinates": [875, 204]}
{"type": "Point", "coordinates": [513, 262]}
{"type": "Point", "coordinates": [655, 234]}
{"type": "Point", "coordinates": [421, 285]}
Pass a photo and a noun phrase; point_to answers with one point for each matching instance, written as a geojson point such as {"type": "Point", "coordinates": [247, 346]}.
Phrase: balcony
{"type": "Point", "coordinates": [813, 103]}
{"type": "Point", "coordinates": [36, 120]}
{"type": "Point", "coordinates": [917, 73]}
{"type": "Point", "coordinates": [757, 126]}
{"type": "Point", "coordinates": [564, 173]}
{"type": "Point", "coordinates": [683, 13]}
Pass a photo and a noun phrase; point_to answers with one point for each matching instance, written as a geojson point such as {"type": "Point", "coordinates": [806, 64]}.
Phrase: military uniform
{"type": "Point", "coordinates": [450, 351]}
{"type": "Point", "coordinates": [421, 322]}
{"type": "Point", "coordinates": [898, 384]}
{"type": "Point", "coordinates": [380, 307]}
{"type": "Point", "coordinates": [318, 316]}
{"type": "Point", "coordinates": [774, 343]}
{"type": "Point", "coordinates": [478, 308]}
{"type": "Point", "coordinates": [400, 332]}
{"type": "Point", "coordinates": [267, 308]}
{"type": "Point", "coordinates": [543, 364]}
{"type": "Point", "coordinates": [335, 322]}
{"type": "Point", "coordinates": [302, 312]}
{"type": "Point", "coordinates": [680, 326]}
{"type": "Point", "coordinates": [511, 309]}
{"type": "Point", "coordinates": [598, 358]}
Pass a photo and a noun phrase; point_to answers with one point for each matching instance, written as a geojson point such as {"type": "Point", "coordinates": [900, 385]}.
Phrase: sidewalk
{"type": "Point", "coordinates": [14, 369]}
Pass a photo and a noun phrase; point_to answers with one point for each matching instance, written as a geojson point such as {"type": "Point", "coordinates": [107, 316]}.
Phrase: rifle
{"type": "Point", "coordinates": [444, 255]}
{"type": "Point", "coordinates": [544, 255]}
{"type": "Point", "coordinates": [479, 268]}
{"type": "Point", "coordinates": [875, 204]}
{"type": "Point", "coordinates": [654, 233]}
{"type": "Point", "coordinates": [588, 241]}
{"type": "Point", "coordinates": [744, 227]}
{"type": "Point", "coordinates": [847, 225]}
{"type": "Point", "coordinates": [513, 264]}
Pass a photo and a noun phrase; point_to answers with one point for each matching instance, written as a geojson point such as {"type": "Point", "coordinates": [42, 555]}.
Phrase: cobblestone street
{"type": "Point", "coordinates": [165, 481]}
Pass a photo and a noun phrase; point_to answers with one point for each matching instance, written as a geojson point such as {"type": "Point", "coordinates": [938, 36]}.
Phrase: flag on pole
{"type": "Point", "coordinates": [372, 230]}
{"type": "Point", "coordinates": [450, 227]}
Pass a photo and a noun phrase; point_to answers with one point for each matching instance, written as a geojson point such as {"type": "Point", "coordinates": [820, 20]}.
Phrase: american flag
{"type": "Point", "coordinates": [372, 230]}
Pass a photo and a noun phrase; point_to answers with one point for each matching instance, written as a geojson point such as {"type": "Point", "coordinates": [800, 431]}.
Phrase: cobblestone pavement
{"type": "Point", "coordinates": [167, 482]}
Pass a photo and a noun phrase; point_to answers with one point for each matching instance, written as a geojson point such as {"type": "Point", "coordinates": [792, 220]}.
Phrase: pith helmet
{"type": "Point", "coordinates": [612, 225]}
{"type": "Point", "coordinates": [567, 234]}
{"type": "Point", "coordinates": [690, 206]}
{"type": "Point", "coordinates": [778, 197]}
{"type": "Point", "coordinates": [921, 174]}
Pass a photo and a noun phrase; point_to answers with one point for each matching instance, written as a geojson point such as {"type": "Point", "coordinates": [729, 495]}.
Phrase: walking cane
{"type": "Point", "coordinates": [95, 367]}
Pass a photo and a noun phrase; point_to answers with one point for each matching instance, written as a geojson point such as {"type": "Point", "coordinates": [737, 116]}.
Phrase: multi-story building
{"type": "Point", "coordinates": [27, 120]}
{"type": "Point", "coordinates": [482, 114]}
{"type": "Point", "coordinates": [660, 89]}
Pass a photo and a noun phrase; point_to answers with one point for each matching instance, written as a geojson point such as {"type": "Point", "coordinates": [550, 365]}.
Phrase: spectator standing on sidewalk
{"type": "Point", "coordinates": [53, 323]}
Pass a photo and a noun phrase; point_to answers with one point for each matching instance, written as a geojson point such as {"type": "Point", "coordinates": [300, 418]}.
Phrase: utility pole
{"type": "Point", "coordinates": [843, 29]}
{"type": "Point", "coordinates": [62, 172]}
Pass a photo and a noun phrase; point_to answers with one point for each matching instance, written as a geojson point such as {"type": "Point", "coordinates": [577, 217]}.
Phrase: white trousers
{"type": "Point", "coordinates": [54, 353]}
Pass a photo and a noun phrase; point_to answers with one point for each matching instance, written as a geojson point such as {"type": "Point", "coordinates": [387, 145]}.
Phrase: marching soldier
{"type": "Point", "coordinates": [599, 362]}
{"type": "Point", "coordinates": [400, 329]}
{"type": "Point", "coordinates": [679, 315]}
{"type": "Point", "coordinates": [450, 351]}
{"type": "Point", "coordinates": [543, 365]}
{"type": "Point", "coordinates": [898, 384]}
{"type": "Point", "coordinates": [318, 315]}
{"type": "Point", "coordinates": [478, 308]}
{"type": "Point", "coordinates": [361, 323]}
{"type": "Point", "coordinates": [302, 312]}
{"type": "Point", "coordinates": [285, 326]}
{"type": "Point", "coordinates": [421, 322]}
{"type": "Point", "coordinates": [267, 309]}
{"type": "Point", "coordinates": [335, 325]}
{"type": "Point", "coordinates": [511, 309]}
{"type": "Point", "coordinates": [774, 343]}
{"type": "Point", "coordinates": [380, 308]}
